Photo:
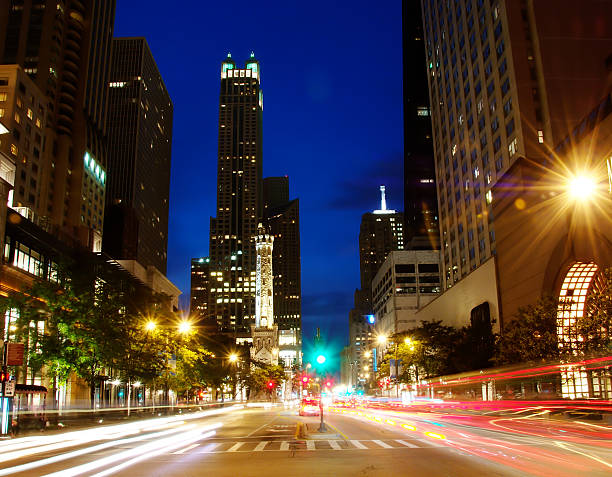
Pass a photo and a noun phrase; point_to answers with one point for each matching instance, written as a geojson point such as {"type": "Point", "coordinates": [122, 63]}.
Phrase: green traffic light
{"type": "Point", "coordinates": [320, 359]}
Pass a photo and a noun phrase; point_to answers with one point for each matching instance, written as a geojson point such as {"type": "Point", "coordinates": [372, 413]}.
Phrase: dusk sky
{"type": "Point", "coordinates": [332, 85]}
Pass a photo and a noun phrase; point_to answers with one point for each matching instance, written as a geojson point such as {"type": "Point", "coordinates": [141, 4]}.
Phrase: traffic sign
{"type": "Point", "coordinates": [9, 389]}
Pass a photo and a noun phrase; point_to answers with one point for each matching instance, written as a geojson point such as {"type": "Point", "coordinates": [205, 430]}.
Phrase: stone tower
{"type": "Point", "coordinates": [264, 331]}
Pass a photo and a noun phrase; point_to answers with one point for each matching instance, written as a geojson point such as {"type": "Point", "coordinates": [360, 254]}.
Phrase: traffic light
{"type": "Point", "coordinates": [321, 359]}
{"type": "Point", "coordinates": [5, 376]}
{"type": "Point", "coordinates": [305, 379]}
{"type": "Point", "coordinates": [270, 384]}
{"type": "Point", "coordinates": [328, 383]}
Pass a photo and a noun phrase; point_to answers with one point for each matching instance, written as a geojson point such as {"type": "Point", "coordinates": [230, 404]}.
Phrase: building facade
{"type": "Point", "coordinates": [139, 156]}
{"type": "Point", "coordinates": [239, 197]}
{"type": "Point", "coordinates": [65, 48]}
{"type": "Point", "coordinates": [421, 230]}
{"type": "Point", "coordinates": [500, 90]}
{"type": "Point", "coordinates": [282, 217]}
{"type": "Point", "coordinates": [200, 286]}
{"type": "Point", "coordinates": [381, 231]}
{"type": "Point", "coordinates": [406, 281]}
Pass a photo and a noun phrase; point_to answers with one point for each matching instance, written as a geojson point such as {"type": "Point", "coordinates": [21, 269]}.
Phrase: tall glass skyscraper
{"type": "Point", "coordinates": [239, 197]}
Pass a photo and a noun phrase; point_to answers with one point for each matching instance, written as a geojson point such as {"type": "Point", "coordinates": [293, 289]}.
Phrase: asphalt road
{"type": "Point", "coordinates": [258, 441]}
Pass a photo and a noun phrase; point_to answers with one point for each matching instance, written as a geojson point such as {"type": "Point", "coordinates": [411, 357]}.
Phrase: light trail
{"type": "Point", "coordinates": [139, 453]}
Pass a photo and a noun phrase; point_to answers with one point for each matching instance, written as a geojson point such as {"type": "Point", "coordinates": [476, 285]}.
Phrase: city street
{"type": "Point", "coordinates": [258, 440]}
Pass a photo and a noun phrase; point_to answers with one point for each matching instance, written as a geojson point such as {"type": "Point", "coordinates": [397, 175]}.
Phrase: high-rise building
{"type": "Point", "coordinates": [64, 48]}
{"type": "Point", "coordinates": [381, 231]}
{"type": "Point", "coordinates": [421, 230]}
{"type": "Point", "coordinates": [282, 217]}
{"type": "Point", "coordinates": [200, 287]}
{"type": "Point", "coordinates": [507, 80]}
{"type": "Point", "coordinates": [139, 153]}
{"type": "Point", "coordinates": [239, 197]}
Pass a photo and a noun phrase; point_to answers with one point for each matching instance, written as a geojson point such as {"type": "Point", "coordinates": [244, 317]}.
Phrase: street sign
{"type": "Point", "coordinates": [9, 389]}
{"type": "Point", "coordinates": [14, 354]}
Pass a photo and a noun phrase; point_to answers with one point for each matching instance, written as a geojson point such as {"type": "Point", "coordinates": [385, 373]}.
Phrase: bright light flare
{"type": "Point", "coordinates": [321, 359]}
{"type": "Point", "coordinates": [582, 187]}
{"type": "Point", "coordinates": [409, 427]}
{"type": "Point", "coordinates": [184, 327]}
{"type": "Point", "coordinates": [150, 325]}
{"type": "Point", "coordinates": [233, 358]}
{"type": "Point", "coordinates": [381, 339]}
{"type": "Point", "coordinates": [435, 435]}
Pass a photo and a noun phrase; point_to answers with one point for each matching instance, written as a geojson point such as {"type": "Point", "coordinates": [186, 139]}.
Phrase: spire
{"type": "Point", "coordinates": [383, 203]}
{"type": "Point", "coordinates": [229, 55]}
{"type": "Point", "coordinates": [252, 54]}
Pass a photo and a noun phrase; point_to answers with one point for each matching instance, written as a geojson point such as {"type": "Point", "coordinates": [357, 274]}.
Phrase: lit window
{"type": "Point", "coordinates": [38, 123]}
{"type": "Point", "coordinates": [3, 96]}
{"type": "Point", "coordinates": [513, 147]}
{"type": "Point", "coordinates": [30, 114]}
{"type": "Point", "coordinates": [1, 112]}
{"type": "Point", "coordinates": [541, 137]}
{"type": "Point", "coordinates": [14, 150]}
{"type": "Point", "coordinates": [489, 197]}
{"type": "Point", "coordinates": [17, 118]}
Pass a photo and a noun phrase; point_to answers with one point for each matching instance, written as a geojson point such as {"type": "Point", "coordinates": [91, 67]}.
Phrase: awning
{"type": "Point", "coordinates": [29, 389]}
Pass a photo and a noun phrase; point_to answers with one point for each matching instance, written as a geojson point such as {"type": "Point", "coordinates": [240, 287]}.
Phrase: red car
{"type": "Point", "coordinates": [310, 407]}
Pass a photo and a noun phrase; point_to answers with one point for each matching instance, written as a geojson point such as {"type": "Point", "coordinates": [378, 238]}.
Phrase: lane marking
{"type": "Point", "coordinates": [210, 447]}
{"type": "Point", "coordinates": [260, 446]}
{"type": "Point", "coordinates": [284, 446]}
{"type": "Point", "coordinates": [235, 447]}
{"type": "Point", "coordinates": [407, 444]}
{"type": "Point", "coordinates": [358, 444]}
{"type": "Point", "coordinates": [188, 448]}
{"type": "Point", "coordinates": [382, 444]}
{"type": "Point", "coordinates": [334, 445]}
{"type": "Point", "coordinates": [310, 445]}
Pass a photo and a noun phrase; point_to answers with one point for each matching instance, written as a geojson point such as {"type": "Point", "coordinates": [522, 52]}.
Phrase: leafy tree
{"type": "Point", "coordinates": [261, 375]}
{"type": "Point", "coordinates": [531, 336]}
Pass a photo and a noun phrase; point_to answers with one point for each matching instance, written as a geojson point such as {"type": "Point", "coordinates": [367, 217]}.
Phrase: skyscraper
{"type": "Point", "coordinates": [282, 217]}
{"type": "Point", "coordinates": [507, 79]}
{"type": "Point", "coordinates": [200, 287]}
{"type": "Point", "coordinates": [140, 141]}
{"type": "Point", "coordinates": [239, 197]}
{"type": "Point", "coordinates": [421, 229]}
{"type": "Point", "coordinates": [64, 47]}
{"type": "Point", "coordinates": [381, 231]}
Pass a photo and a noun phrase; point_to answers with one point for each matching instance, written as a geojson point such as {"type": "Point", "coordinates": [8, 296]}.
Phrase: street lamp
{"type": "Point", "coordinates": [582, 187]}
{"type": "Point", "coordinates": [184, 327]}
{"type": "Point", "coordinates": [232, 358]}
{"type": "Point", "coordinates": [150, 325]}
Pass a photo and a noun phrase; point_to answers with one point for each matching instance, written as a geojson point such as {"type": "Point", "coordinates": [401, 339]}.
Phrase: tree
{"type": "Point", "coordinates": [261, 376]}
{"type": "Point", "coordinates": [531, 336]}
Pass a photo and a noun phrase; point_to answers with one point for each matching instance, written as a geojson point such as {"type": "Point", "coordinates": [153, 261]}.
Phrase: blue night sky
{"type": "Point", "coordinates": [332, 84]}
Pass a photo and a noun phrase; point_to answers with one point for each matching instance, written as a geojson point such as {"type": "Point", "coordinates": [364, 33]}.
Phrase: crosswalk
{"type": "Point", "coordinates": [306, 446]}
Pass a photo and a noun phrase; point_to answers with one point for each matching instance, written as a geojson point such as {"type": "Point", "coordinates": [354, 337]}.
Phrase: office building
{"type": "Point", "coordinates": [282, 217]}
{"type": "Point", "coordinates": [239, 197]}
{"type": "Point", "coordinates": [421, 230]}
{"type": "Point", "coordinates": [139, 154]}
{"type": "Point", "coordinates": [381, 232]}
{"type": "Point", "coordinates": [64, 48]}
{"type": "Point", "coordinates": [507, 80]}
{"type": "Point", "coordinates": [406, 281]}
{"type": "Point", "coordinates": [198, 307]}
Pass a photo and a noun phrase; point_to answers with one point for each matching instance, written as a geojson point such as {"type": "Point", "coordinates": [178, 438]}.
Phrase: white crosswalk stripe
{"type": "Point", "coordinates": [261, 446]}
{"type": "Point", "coordinates": [382, 444]}
{"type": "Point", "coordinates": [235, 447]}
{"type": "Point", "coordinates": [404, 443]}
{"type": "Point", "coordinates": [308, 445]}
{"type": "Point", "coordinates": [334, 445]}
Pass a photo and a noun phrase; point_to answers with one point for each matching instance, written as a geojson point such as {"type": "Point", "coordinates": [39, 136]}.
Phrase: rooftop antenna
{"type": "Point", "coordinates": [383, 202]}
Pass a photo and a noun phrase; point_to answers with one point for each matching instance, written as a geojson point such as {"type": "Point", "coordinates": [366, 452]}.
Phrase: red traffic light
{"type": "Point", "coordinates": [305, 379]}
{"type": "Point", "coordinates": [5, 376]}
{"type": "Point", "coordinates": [328, 384]}
{"type": "Point", "coordinates": [270, 384]}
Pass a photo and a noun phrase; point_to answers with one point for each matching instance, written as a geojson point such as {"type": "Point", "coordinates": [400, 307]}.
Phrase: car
{"type": "Point", "coordinates": [310, 407]}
